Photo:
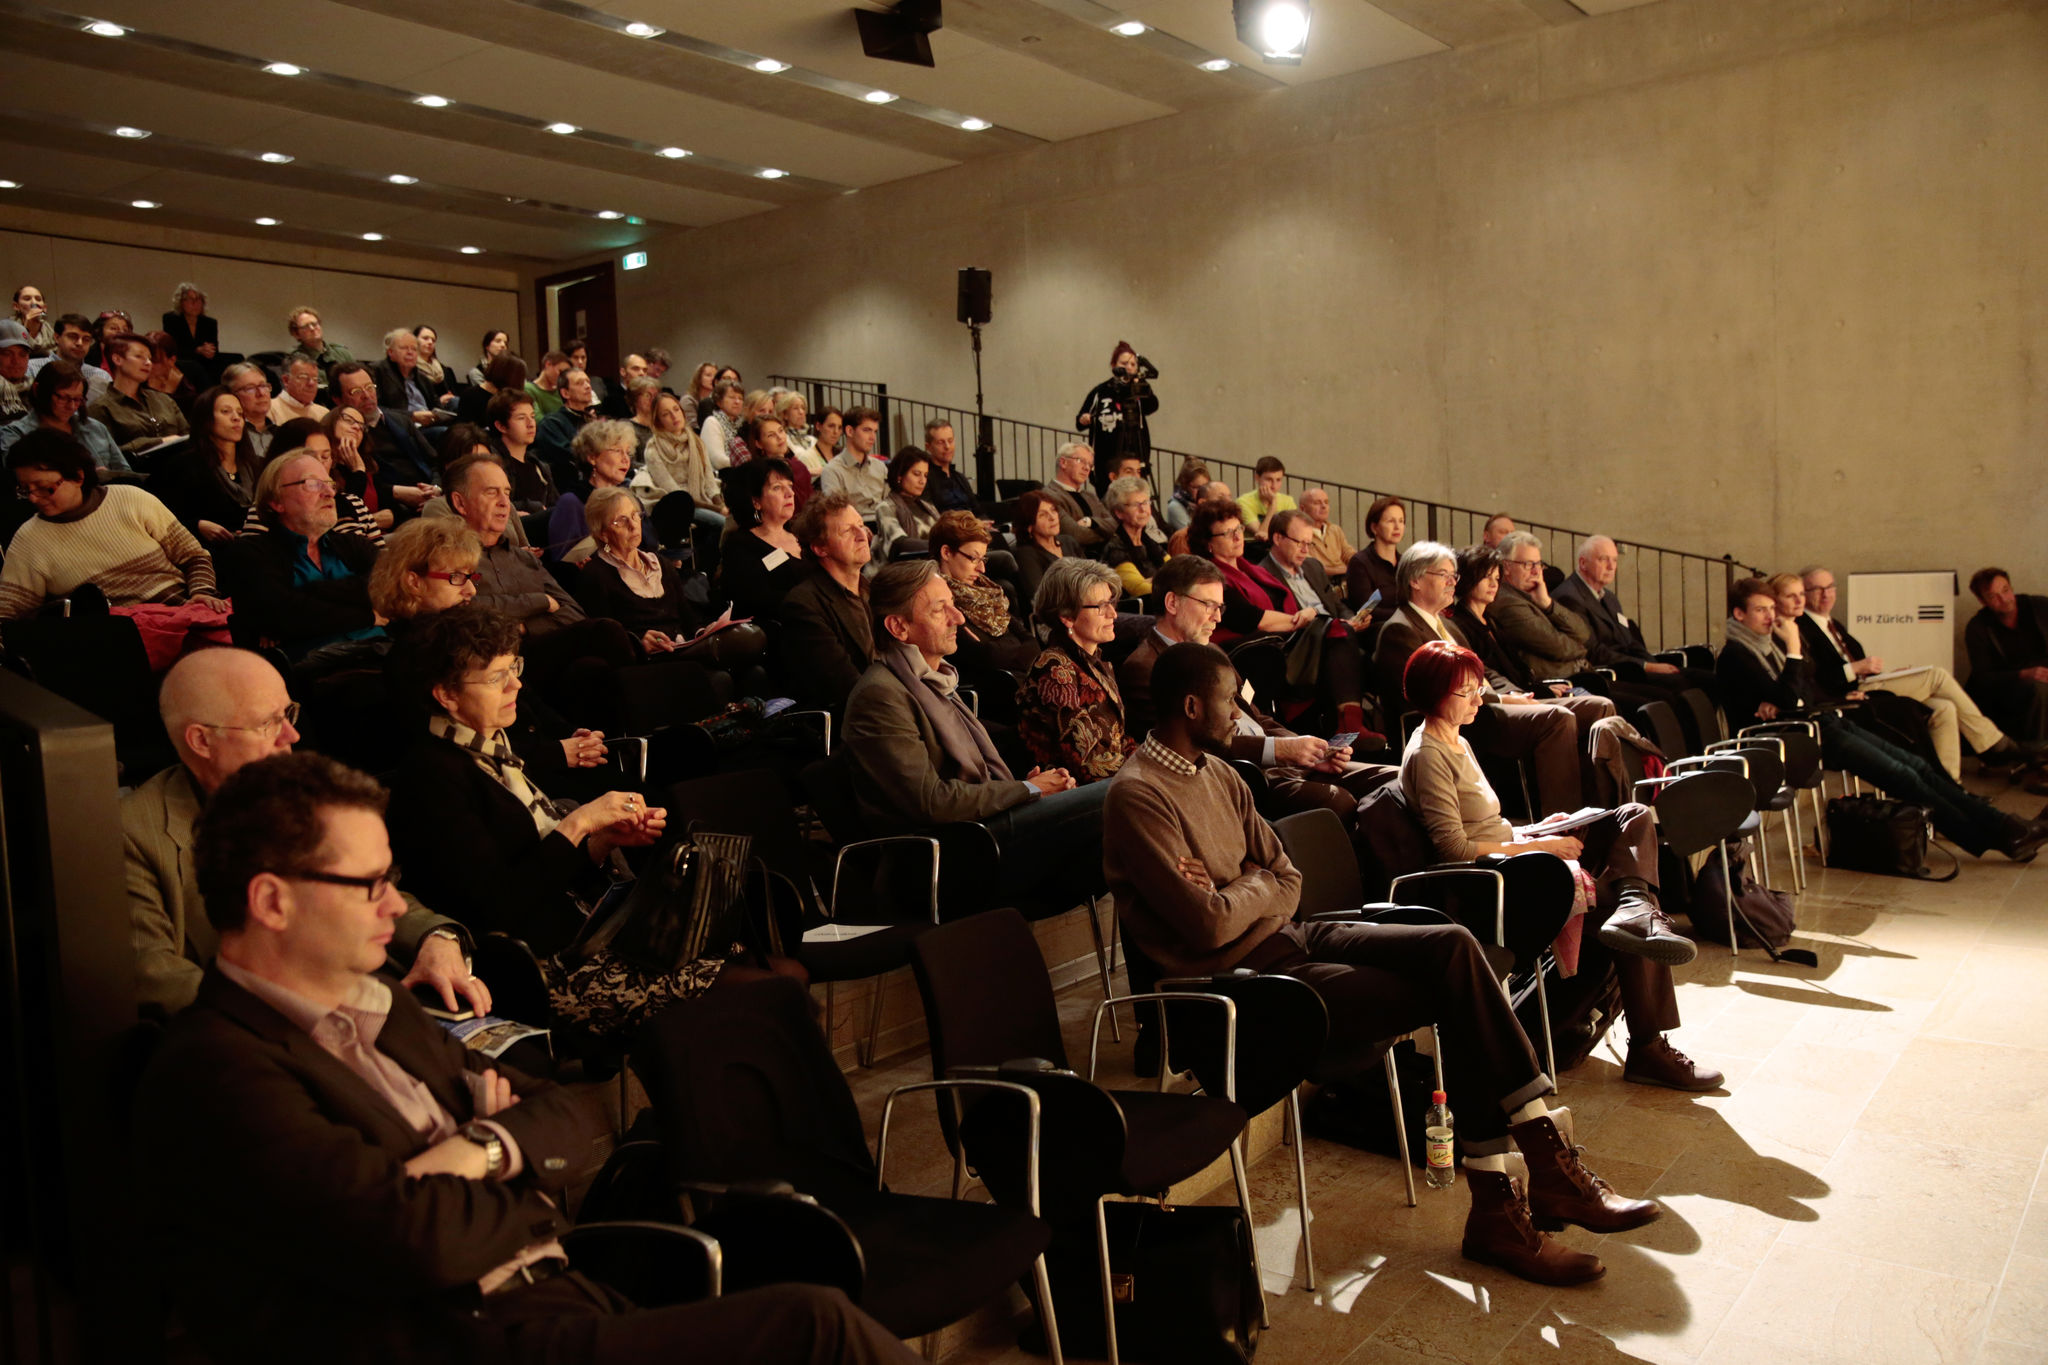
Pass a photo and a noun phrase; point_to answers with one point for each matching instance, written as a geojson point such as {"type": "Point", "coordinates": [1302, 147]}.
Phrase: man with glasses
{"type": "Point", "coordinates": [225, 709]}
{"type": "Point", "coordinates": [15, 354]}
{"type": "Point", "coordinates": [304, 325]}
{"type": "Point", "coordinates": [249, 384]}
{"type": "Point", "coordinates": [301, 392]}
{"type": "Point", "coordinates": [302, 583]}
{"type": "Point", "coordinates": [828, 636]}
{"type": "Point", "coordinates": [74, 339]}
{"type": "Point", "coordinates": [388, 435]}
{"type": "Point", "coordinates": [1293, 561]}
{"type": "Point", "coordinates": [1082, 514]}
{"type": "Point", "coordinates": [1549, 639]}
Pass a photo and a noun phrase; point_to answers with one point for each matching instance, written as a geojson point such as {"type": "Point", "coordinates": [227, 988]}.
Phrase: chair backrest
{"type": "Point", "coordinates": [1766, 766]}
{"type": "Point", "coordinates": [519, 989]}
{"type": "Point", "coordinates": [1282, 1026]}
{"type": "Point", "coordinates": [987, 995]}
{"type": "Point", "coordinates": [1665, 730]}
{"type": "Point", "coordinates": [1316, 845]}
{"type": "Point", "coordinates": [99, 663]}
{"type": "Point", "coordinates": [1705, 715]}
{"type": "Point", "coordinates": [754, 802]}
{"type": "Point", "coordinates": [1698, 809]}
{"type": "Point", "coordinates": [1803, 762]}
{"type": "Point", "coordinates": [828, 786]}
{"type": "Point", "coordinates": [745, 1088]}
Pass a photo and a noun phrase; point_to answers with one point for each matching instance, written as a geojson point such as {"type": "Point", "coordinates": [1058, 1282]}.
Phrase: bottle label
{"type": "Point", "coordinates": [1439, 1147]}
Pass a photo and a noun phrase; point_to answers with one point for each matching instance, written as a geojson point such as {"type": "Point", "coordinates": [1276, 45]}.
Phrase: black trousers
{"type": "Point", "coordinates": [1545, 735]}
{"type": "Point", "coordinates": [1382, 980]}
{"type": "Point", "coordinates": [570, 1320]}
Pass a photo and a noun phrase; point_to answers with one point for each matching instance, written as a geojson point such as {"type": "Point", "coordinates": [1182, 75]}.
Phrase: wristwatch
{"type": "Point", "coordinates": [486, 1137]}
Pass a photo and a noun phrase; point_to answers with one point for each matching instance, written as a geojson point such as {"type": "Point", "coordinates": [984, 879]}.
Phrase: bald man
{"type": "Point", "coordinates": [224, 709]}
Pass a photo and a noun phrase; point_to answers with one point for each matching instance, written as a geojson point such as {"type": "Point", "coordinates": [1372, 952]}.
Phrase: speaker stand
{"type": "Point", "coordinates": [984, 431]}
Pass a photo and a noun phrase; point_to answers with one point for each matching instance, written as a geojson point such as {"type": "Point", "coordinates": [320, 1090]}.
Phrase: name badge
{"type": "Point", "coordinates": [775, 560]}
{"type": "Point", "coordinates": [1244, 692]}
{"type": "Point", "coordinates": [1619, 617]}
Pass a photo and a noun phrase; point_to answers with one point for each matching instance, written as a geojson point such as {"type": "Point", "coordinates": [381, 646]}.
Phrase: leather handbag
{"type": "Point", "coordinates": [1876, 834]}
{"type": "Point", "coordinates": [1180, 1279]}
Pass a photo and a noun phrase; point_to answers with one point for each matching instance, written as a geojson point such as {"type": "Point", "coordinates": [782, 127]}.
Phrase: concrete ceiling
{"type": "Point", "coordinates": [487, 172]}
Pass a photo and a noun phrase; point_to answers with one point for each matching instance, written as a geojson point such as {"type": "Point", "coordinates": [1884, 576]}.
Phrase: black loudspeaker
{"type": "Point", "coordinates": [977, 301]}
{"type": "Point", "coordinates": [903, 34]}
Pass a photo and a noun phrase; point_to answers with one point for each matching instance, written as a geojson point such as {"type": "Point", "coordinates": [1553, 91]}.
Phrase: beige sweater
{"type": "Point", "coordinates": [1450, 794]}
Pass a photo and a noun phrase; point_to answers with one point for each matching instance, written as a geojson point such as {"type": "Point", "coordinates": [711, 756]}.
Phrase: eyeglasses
{"type": "Point", "coordinates": [317, 485]}
{"type": "Point", "coordinates": [74, 397]}
{"type": "Point", "coordinates": [373, 887]}
{"type": "Point", "coordinates": [254, 386]}
{"type": "Point", "coordinates": [1524, 563]}
{"type": "Point", "coordinates": [975, 557]}
{"type": "Point", "coordinates": [358, 390]}
{"type": "Point", "coordinates": [1206, 605]}
{"type": "Point", "coordinates": [1107, 607]}
{"type": "Point", "coordinates": [499, 678]}
{"type": "Point", "coordinates": [1445, 575]}
{"type": "Point", "coordinates": [1467, 693]}
{"type": "Point", "coordinates": [269, 728]}
{"type": "Point", "coordinates": [455, 578]}
{"type": "Point", "coordinates": [32, 491]}
{"type": "Point", "coordinates": [621, 522]}
{"type": "Point", "coordinates": [1234, 533]}
{"type": "Point", "coordinates": [1300, 540]}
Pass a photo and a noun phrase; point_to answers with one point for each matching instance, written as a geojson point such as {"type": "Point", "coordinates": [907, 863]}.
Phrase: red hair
{"type": "Point", "coordinates": [1123, 347]}
{"type": "Point", "coordinates": [1434, 672]}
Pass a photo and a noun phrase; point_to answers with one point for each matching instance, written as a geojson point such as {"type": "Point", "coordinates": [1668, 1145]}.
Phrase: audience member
{"type": "Point", "coordinates": [2008, 644]}
{"type": "Point", "coordinates": [1549, 639]}
{"type": "Point", "coordinates": [617, 402]}
{"type": "Point", "coordinates": [995, 641]}
{"type": "Point", "coordinates": [1187, 488]}
{"type": "Point", "coordinates": [828, 637]}
{"type": "Point", "coordinates": [116, 537]}
{"type": "Point", "coordinates": [1369, 577]}
{"type": "Point", "coordinates": [32, 315]}
{"type": "Point", "coordinates": [352, 515]}
{"type": "Point", "coordinates": [904, 522]}
{"type": "Point", "coordinates": [1766, 675]}
{"type": "Point", "coordinates": [1478, 591]}
{"type": "Point", "coordinates": [603, 452]}
{"type": "Point", "coordinates": [365, 482]}
{"type": "Point", "coordinates": [1616, 639]}
{"type": "Point", "coordinates": [389, 435]}
{"type": "Point", "coordinates": [1332, 548]}
{"type": "Point", "coordinates": [14, 380]}
{"type": "Point", "coordinates": [762, 560]}
{"type": "Point", "coordinates": [1113, 415]}
{"type": "Point", "coordinates": [427, 565]}
{"type": "Point", "coordinates": [495, 343]}
{"type": "Point", "coordinates": [514, 432]}
{"type": "Point", "coordinates": [1617, 853]}
{"type": "Point", "coordinates": [828, 436]}
{"type": "Point", "coordinates": [251, 387]}
{"type": "Point", "coordinates": [948, 489]}
{"type": "Point", "coordinates": [1135, 548]}
{"type": "Point", "coordinates": [696, 400]}
{"type": "Point", "coordinates": [1498, 528]}
{"type": "Point", "coordinates": [1841, 667]}
{"type": "Point", "coordinates": [304, 585]}
{"type": "Point", "coordinates": [720, 430]}
{"type": "Point", "coordinates": [304, 325]}
{"type": "Point", "coordinates": [301, 379]}
{"type": "Point", "coordinates": [1202, 885]}
{"type": "Point", "coordinates": [857, 471]}
{"type": "Point", "coordinates": [56, 402]}
{"type": "Point", "coordinates": [106, 327]}
{"type": "Point", "coordinates": [196, 335]}
{"type": "Point", "coordinates": [579, 359]}
{"type": "Point", "coordinates": [795, 416]}
{"type": "Point", "coordinates": [400, 385]}
{"type": "Point", "coordinates": [223, 710]}
{"type": "Point", "coordinates": [434, 379]}
{"type": "Point", "coordinates": [165, 376]}
{"type": "Point", "coordinates": [1071, 711]}
{"type": "Point", "coordinates": [506, 373]}
{"type": "Point", "coordinates": [558, 429]}
{"type": "Point", "coordinates": [210, 481]}
{"type": "Point", "coordinates": [1083, 518]}
{"type": "Point", "coordinates": [1041, 543]}
{"type": "Point", "coordinates": [1293, 561]}
{"type": "Point", "coordinates": [136, 416]}
{"type": "Point", "coordinates": [74, 339]}
{"type": "Point", "coordinates": [1265, 497]}
{"type": "Point", "coordinates": [678, 463]}
{"type": "Point", "coordinates": [545, 389]}
{"type": "Point", "coordinates": [625, 582]}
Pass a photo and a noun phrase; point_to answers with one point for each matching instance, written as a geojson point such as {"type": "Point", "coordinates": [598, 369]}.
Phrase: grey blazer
{"type": "Point", "coordinates": [903, 779]}
{"type": "Point", "coordinates": [1552, 644]}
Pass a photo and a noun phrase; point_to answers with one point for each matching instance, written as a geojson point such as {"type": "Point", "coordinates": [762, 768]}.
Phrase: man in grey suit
{"type": "Point", "coordinates": [1293, 561]}
{"type": "Point", "coordinates": [1617, 641]}
{"type": "Point", "coordinates": [225, 709]}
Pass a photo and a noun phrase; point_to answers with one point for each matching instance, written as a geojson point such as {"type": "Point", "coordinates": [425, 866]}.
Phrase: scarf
{"type": "Point", "coordinates": [1765, 647]}
{"type": "Point", "coordinates": [431, 370]}
{"type": "Point", "coordinates": [985, 606]}
{"type": "Point", "coordinates": [507, 769]}
{"type": "Point", "coordinates": [933, 691]}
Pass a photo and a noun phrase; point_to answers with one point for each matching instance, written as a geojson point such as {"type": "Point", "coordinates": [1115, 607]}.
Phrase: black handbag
{"type": "Point", "coordinates": [690, 903]}
{"type": "Point", "coordinates": [1877, 834]}
{"type": "Point", "coordinates": [1181, 1279]}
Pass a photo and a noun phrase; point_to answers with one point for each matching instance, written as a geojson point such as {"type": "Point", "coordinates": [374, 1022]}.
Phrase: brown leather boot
{"type": "Point", "coordinates": [1562, 1190]}
{"type": "Point", "coordinates": [1498, 1232]}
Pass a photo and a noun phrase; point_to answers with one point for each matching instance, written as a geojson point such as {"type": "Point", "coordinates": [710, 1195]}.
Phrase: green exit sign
{"type": "Point", "coordinates": [636, 260]}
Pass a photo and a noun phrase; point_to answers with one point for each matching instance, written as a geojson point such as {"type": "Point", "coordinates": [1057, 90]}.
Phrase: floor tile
{"type": "Point", "coordinates": [1943, 1089]}
{"type": "Point", "coordinates": [1831, 1305]}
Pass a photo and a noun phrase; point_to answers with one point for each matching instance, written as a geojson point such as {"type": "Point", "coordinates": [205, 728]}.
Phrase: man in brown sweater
{"type": "Point", "coordinates": [1202, 885]}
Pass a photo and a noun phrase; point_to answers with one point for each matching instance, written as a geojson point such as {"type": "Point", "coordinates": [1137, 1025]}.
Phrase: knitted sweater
{"type": "Point", "coordinates": [130, 547]}
{"type": "Point", "coordinates": [1451, 796]}
{"type": "Point", "coordinates": [1159, 810]}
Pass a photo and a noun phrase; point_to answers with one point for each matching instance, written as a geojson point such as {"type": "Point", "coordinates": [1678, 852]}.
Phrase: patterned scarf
{"type": "Point", "coordinates": [984, 605]}
{"type": "Point", "coordinates": [507, 769]}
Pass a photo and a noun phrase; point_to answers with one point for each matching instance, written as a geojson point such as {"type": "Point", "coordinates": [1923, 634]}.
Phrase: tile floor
{"type": "Point", "coordinates": [1868, 1189]}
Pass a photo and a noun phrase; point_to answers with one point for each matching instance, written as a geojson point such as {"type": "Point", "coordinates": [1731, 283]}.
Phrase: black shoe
{"type": "Point", "coordinates": [1639, 928]}
{"type": "Point", "coordinates": [2025, 840]}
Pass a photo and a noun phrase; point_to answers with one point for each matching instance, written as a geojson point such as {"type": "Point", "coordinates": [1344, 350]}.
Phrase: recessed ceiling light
{"type": "Point", "coordinates": [640, 30]}
{"type": "Point", "coordinates": [769, 66]}
{"type": "Point", "coordinates": [771, 174]}
{"type": "Point", "coordinates": [403, 179]}
{"type": "Point", "coordinates": [266, 222]}
{"type": "Point", "coordinates": [976, 125]}
{"type": "Point", "coordinates": [10, 184]}
{"type": "Point", "coordinates": [673, 153]}
{"type": "Point", "coordinates": [373, 236]}
{"type": "Point", "coordinates": [100, 28]}
{"type": "Point", "coordinates": [879, 97]}
{"type": "Point", "coordinates": [1216, 64]}
{"type": "Point", "coordinates": [144, 203]}
{"type": "Point", "coordinates": [433, 101]}
{"type": "Point", "coordinates": [278, 158]}
{"type": "Point", "coordinates": [125, 131]}
{"type": "Point", "coordinates": [472, 251]}
{"type": "Point", "coordinates": [562, 129]}
{"type": "Point", "coordinates": [1129, 28]}
{"type": "Point", "coordinates": [609, 214]}
{"type": "Point", "coordinates": [285, 69]}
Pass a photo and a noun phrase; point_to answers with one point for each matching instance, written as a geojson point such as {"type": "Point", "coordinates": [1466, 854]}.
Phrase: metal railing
{"type": "Point", "coordinates": [1678, 597]}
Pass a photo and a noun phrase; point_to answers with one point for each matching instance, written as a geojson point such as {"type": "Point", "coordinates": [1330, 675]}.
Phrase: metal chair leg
{"type": "Point", "coordinates": [874, 1022]}
{"type": "Point", "coordinates": [1102, 965]}
{"type": "Point", "coordinates": [1400, 1124]}
{"type": "Point", "coordinates": [1046, 1317]}
{"type": "Point", "coordinates": [1788, 820]}
{"type": "Point", "coordinates": [1244, 1201]}
{"type": "Point", "coordinates": [1820, 820]}
{"type": "Point", "coordinates": [1543, 1007]}
{"type": "Point", "coordinates": [1102, 1267]}
{"type": "Point", "coordinates": [1308, 1245]}
{"type": "Point", "coordinates": [1728, 884]}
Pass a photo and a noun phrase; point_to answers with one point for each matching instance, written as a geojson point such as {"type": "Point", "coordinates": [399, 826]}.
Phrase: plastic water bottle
{"type": "Point", "coordinates": [1440, 1142]}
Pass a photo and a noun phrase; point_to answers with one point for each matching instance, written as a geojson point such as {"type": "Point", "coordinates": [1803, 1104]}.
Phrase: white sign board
{"type": "Point", "coordinates": [1906, 619]}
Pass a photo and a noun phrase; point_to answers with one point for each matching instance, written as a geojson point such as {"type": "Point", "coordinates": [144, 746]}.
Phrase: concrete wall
{"type": "Point", "coordinates": [1764, 276]}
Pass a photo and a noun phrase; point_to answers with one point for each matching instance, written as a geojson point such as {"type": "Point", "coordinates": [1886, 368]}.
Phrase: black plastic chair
{"type": "Point", "coordinates": [990, 1008]}
{"type": "Point", "coordinates": [745, 1089]}
{"type": "Point", "coordinates": [1765, 755]}
{"type": "Point", "coordinates": [1702, 809]}
{"type": "Point", "coordinates": [1705, 715]}
{"type": "Point", "coordinates": [1805, 771]}
{"type": "Point", "coordinates": [1665, 731]}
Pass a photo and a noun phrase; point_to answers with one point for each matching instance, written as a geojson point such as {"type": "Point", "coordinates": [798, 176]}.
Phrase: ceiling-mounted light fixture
{"type": "Point", "coordinates": [674, 153]}
{"type": "Point", "coordinates": [770, 173]}
{"type": "Point", "coordinates": [144, 204]}
{"type": "Point", "coordinates": [266, 222]}
{"type": "Point", "coordinates": [903, 34]}
{"type": "Point", "coordinates": [10, 184]}
{"type": "Point", "coordinates": [285, 69]}
{"type": "Point", "coordinates": [768, 66]}
{"type": "Point", "coordinates": [403, 179]}
{"type": "Point", "coordinates": [433, 101]}
{"type": "Point", "coordinates": [562, 129]}
{"type": "Point", "coordinates": [1275, 29]}
{"type": "Point", "coordinates": [976, 125]}
{"type": "Point", "coordinates": [879, 97]}
{"type": "Point", "coordinates": [373, 236]}
{"type": "Point", "coordinates": [610, 215]}
{"type": "Point", "coordinates": [101, 28]}
{"type": "Point", "coordinates": [1129, 28]}
{"type": "Point", "coordinates": [125, 131]}
{"type": "Point", "coordinates": [472, 251]}
{"type": "Point", "coordinates": [1216, 64]}
{"type": "Point", "coordinates": [640, 30]}
{"type": "Point", "coordinates": [277, 158]}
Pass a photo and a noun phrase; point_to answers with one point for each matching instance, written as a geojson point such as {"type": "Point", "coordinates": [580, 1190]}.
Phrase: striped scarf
{"type": "Point", "coordinates": [494, 755]}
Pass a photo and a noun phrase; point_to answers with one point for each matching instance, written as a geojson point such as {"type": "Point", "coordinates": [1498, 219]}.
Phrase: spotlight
{"type": "Point", "coordinates": [610, 215]}
{"type": "Point", "coordinates": [561, 129]}
{"type": "Point", "coordinates": [373, 236]}
{"type": "Point", "coordinates": [976, 125]}
{"type": "Point", "coordinates": [285, 69]}
{"type": "Point", "coordinates": [433, 101]}
{"type": "Point", "coordinates": [639, 30]}
{"type": "Point", "coordinates": [144, 203]}
{"type": "Point", "coordinates": [1276, 29]}
{"type": "Point", "coordinates": [403, 179]}
{"type": "Point", "coordinates": [879, 97]}
{"type": "Point", "coordinates": [673, 153]}
{"type": "Point", "coordinates": [1217, 64]}
{"type": "Point", "coordinates": [768, 66]}
{"type": "Point", "coordinates": [771, 173]}
{"type": "Point", "coordinates": [100, 28]}
{"type": "Point", "coordinates": [125, 131]}
{"type": "Point", "coordinates": [266, 222]}
{"type": "Point", "coordinates": [903, 34]}
{"type": "Point", "coordinates": [472, 251]}
{"type": "Point", "coordinates": [277, 158]}
{"type": "Point", "coordinates": [10, 184]}
{"type": "Point", "coordinates": [1129, 28]}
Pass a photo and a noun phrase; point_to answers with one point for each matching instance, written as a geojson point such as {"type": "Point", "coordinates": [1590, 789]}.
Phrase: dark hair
{"type": "Point", "coordinates": [1379, 506]}
{"type": "Point", "coordinates": [901, 465]}
{"type": "Point", "coordinates": [503, 401]}
{"type": "Point", "coordinates": [292, 435]}
{"type": "Point", "coordinates": [655, 355]}
{"type": "Point", "coordinates": [956, 529]}
{"type": "Point", "coordinates": [1742, 589]}
{"type": "Point", "coordinates": [1434, 672]}
{"type": "Point", "coordinates": [57, 373]}
{"type": "Point", "coordinates": [579, 344]}
{"type": "Point", "coordinates": [894, 588]}
{"type": "Point", "coordinates": [112, 348]}
{"type": "Point", "coordinates": [428, 327]}
{"type": "Point", "coordinates": [443, 646]}
{"type": "Point", "coordinates": [462, 439]}
{"type": "Point", "coordinates": [1185, 670]}
{"type": "Point", "coordinates": [1268, 464]}
{"type": "Point", "coordinates": [57, 451]}
{"type": "Point", "coordinates": [724, 387]}
{"type": "Point", "coordinates": [750, 481]}
{"type": "Point", "coordinates": [271, 816]}
{"type": "Point", "coordinates": [200, 415]}
{"type": "Point", "coordinates": [1183, 572]}
{"type": "Point", "coordinates": [161, 347]}
{"type": "Point", "coordinates": [1281, 521]}
{"type": "Point", "coordinates": [333, 420]}
{"type": "Point", "coordinates": [505, 372]}
{"type": "Point", "coordinates": [483, 347]}
{"type": "Point", "coordinates": [1981, 581]}
{"type": "Point", "coordinates": [1028, 503]}
{"type": "Point", "coordinates": [827, 410]}
{"type": "Point", "coordinates": [554, 358]}
{"type": "Point", "coordinates": [1190, 467]}
{"type": "Point", "coordinates": [855, 416]}
{"type": "Point", "coordinates": [344, 369]}
{"type": "Point", "coordinates": [808, 525]}
{"type": "Point", "coordinates": [1202, 526]}
{"type": "Point", "coordinates": [455, 476]}
{"type": "Point", "coordinates": [750, 430]}
{"type": "Point", "coordinates": [1475, 562]}
{"type": "Point", "coordinates": [734, 370]}
{"type": "Point", "coordinates": [78, 320]}
{"type": "Point", "coordinates": [1495, 517]}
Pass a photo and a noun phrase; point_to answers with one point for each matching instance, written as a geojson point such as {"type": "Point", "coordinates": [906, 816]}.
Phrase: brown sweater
{"type": "Point", "coordinates": [1153, 817]}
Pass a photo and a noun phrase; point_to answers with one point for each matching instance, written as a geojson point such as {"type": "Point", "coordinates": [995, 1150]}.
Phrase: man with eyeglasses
{"type": "Point", "coordinates": [301, 392]}
{"type": "Point", "coordinates": [251, 386]}
{"type": "Point", "coordinates": [74, 339]}
{"type": "Point", "coordinates": [389, 435]}
{"type": "Point", "coordinates": [1293, 561]}
{"type": "Point", "coordinates": [1082, 514]}
{"type": "Point", "coordinates": [15, 354]}
{"type": "Point", "coordinates": [303, 584]}
{"type": "Point", "coordinates": [828, 636]}
{"type": "Point", "coordinates": [225, 709]}
{"type": "Point", "coordinates": [304, 325]}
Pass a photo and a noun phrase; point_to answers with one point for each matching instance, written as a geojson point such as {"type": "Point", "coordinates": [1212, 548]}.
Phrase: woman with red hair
{"type": "Point", "coordinates": [1449, 793]}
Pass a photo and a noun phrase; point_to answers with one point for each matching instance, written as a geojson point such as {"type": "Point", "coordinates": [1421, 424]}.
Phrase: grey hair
{"type": "Point", "coordinates": [596, 508]}
{"type": "Point", "coordinates": [642, 385]}
{"type": "Point", "coordinates": [238, 369]}
{"type": "Point", "coordinates": [785, 399]}
{"type": "Point", "coordinates": [1070, 447]}
{"type": "Point", "coordinates": [391, 337]}
{"type": "Point", "coordinates": [298, 358]}
{"type": "Point", "coordinates": [1122, 490]}
{"type": "Point", "coordinates": [595, 436]}
{"type": "Point", "coordinates": [1417, 560]}
{"type": "Point", "coordinates": [1586, 546]}
{"type": "Point", "coordinates": [895, 586]}
{"type": "Point", "coordinates": [187, 287]}
{"type": "Point", "coordinates": [934, 424]}
{"type": "Point", "coordinates": [1066, 583]}
{"type": "Point", "coordinates": [1515, 540]}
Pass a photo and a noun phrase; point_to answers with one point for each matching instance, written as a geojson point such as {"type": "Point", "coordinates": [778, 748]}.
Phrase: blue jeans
{"type": "Point", "coordinates": [1967, 820]}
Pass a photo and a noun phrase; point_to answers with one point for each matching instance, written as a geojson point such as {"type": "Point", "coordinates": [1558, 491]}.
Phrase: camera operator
{"type": "Point", "coordinates": [1113, 415]}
